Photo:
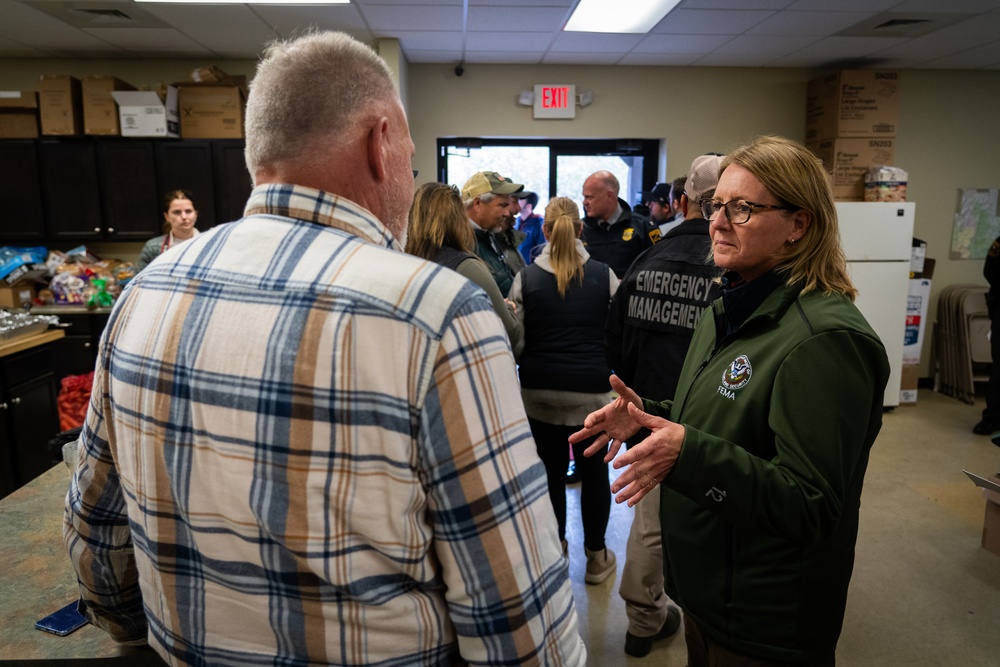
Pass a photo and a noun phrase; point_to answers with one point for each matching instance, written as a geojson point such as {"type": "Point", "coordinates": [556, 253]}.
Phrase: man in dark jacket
{"type": "Point", "coordinates": [486, 196]}
{"type": "Point", "coordinates": [612, 232]}
{"type": "Point", "coordinates": [531, 225]}
{"type": "Point", "coordinates": [990, 422]}
{"type": "Point", "coordinates": [649, 328]}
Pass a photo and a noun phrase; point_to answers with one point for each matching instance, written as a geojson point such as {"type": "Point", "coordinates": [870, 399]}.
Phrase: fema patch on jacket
{"type": "Point", "coordinates": [738, 373]}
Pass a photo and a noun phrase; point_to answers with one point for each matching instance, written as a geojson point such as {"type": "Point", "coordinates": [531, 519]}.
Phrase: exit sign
{"type": "Point", "coordinates": [555, 101]}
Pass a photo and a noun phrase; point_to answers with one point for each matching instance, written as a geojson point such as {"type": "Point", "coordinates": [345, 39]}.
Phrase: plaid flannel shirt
{"type": "Point", "coordinates": [306, 448]}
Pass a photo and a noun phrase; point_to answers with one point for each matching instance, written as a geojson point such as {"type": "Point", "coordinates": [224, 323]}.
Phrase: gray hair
{"type": "Point", "coordinates": [308, 88]}
{"type": "Point", "coordinates": [484, 198]}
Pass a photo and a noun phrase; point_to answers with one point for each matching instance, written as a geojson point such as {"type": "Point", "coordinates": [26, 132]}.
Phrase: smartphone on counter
{"type": "Point", "coordinates": [62, 622]}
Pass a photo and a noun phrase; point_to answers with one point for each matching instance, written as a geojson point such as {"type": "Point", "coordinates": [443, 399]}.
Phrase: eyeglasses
{"type": "Point", "coordinates": [738, 211]}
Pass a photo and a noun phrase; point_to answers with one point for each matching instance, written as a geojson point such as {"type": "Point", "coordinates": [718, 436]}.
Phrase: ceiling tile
{"type": "Point", "coordinates": [489, 57]}
{"type": "Point", "coordinates": [164, 42]}
{"type": "Point", "coordinates": [677, 44]}
{"type": "Point", "coordinates": [451, 57]}
{"type": "Point", "coordinates": [949, 7]}
{"type": "Point", "coordinates": [662, 59]}
{"type": "Point", "coordinates": [761, 45]}
{"type": "Point", "coordinates": [952, 39]}
{"type": "Point", "coordinates": [581, 58]}
{"type": "Point", "coordinates": [737, 4]}
{"type": "Point", "coordinates": [844, 5]}
{"type": "Point", "coordinates": [507, 19]}
{"type": "Point", "coordinates": [808, 23]}
{"type": "Point", "coordinates": [425, 17]}
{"type": "Point", "coordinates": [507, 42]}
{"type": "Point", "coordinates": [429, 40]}
{"type": "Point", "coordinates": [594, 42]}
{"type": "Point", "coordinates": [245, 29]}
{"type": "Point", "coordinates": [833, 49]}
{"type": "Point", "coordinates": [291, 20]}
{"type": "Point", "coordinates": [710, 21]}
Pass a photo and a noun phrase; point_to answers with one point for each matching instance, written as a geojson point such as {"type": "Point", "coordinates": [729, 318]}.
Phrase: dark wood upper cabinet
{"type": "Point", "coordinates": [70, 189]}
{"type": "Point", "coordinates": [61, 191]}
{"type": "Point", "coordinates": [21, 194]}
{"type": "Point", "coordinates": [187, 165]}
{"type": "Point", "coordinates": [232, 180]}
{"type": "Point", "coordinates": [129, 190]}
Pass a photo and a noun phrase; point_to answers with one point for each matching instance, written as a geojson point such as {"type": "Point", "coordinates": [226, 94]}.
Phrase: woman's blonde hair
{"type": "Point", "coordinates": [798, 180]}
{"type": "Point", "coordinates": [562, 228]}
{"type": "Point", "coordinates": [437, 219]}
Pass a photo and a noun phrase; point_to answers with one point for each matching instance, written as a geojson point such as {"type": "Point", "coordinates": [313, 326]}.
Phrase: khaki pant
{"type": "Point", "coordinates": [642, 576]}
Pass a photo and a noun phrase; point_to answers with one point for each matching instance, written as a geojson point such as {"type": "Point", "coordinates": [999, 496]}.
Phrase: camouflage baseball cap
{"type": "Point", "coordinates": [489, 181]}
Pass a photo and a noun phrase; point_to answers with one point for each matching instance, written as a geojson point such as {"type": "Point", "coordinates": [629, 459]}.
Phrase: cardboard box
{"type": "Point", "coordinates": [909, 383]}
{"type": "Point", "coordinates": [18, 114]}
{"type": "Point", "coordinates": [853, 103]}
{"type": "Point", "coordinates": [142, 113]}
{"type": "Point", "coordinates": [848, 161]}
{"type": "Point", "coordinates": [211, 112]}
{"type": "Point", "coordinates": [60, 108]}
{"type": "Point", "coordinates": [100, 113]}
{"type": "Point", "coordinates": [991, 522]}
{"type": "Point", "coordinates": [917, 300]}
{"type": "Point", "coordinates": [12, 296]}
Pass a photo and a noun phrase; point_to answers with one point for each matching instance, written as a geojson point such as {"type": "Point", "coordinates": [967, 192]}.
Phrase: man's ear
{"type": "Point", "coordinates": [378, 147]}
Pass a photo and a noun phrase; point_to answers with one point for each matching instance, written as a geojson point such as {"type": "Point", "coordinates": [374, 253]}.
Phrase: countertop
{"type": "Point", "coordinates": [27, 342]}
{"type": "Point", "coordinates": [37, 578]}
{"type": "Point", "coordinates": [69, 310]}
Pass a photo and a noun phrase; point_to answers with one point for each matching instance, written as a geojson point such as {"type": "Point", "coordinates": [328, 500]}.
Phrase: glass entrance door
{"type": "Point", "coordinates": [552, 167]}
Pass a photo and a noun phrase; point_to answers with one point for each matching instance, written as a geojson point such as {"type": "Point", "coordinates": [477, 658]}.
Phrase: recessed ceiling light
{"type": "Point", "coordinates": [626, 16]}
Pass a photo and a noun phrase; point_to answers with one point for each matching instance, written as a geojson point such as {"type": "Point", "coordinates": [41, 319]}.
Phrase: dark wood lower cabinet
{"type": "Point", "coordinates": [29, 416]}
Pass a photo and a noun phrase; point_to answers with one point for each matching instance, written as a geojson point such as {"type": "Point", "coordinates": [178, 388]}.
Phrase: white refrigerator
{"type": "Point", "coordinates": [877, 238]}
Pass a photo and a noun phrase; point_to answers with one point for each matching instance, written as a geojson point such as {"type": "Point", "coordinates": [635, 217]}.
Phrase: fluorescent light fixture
{"type": "Point", "coordinates": [626, 16]}
{"type": "Point", "coordinates": [249, 2]}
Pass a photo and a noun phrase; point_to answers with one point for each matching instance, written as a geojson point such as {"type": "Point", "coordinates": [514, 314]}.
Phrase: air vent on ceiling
{"type": "Point", "coordinates": [102, 15]}
{"type": "Point", "coordinates": [99, 14]}
{"type": "Point", "coordinates": [897, 24]}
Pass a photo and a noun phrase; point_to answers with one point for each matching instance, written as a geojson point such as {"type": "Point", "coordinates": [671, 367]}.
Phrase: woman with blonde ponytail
{"type": "Point", "coordinates": [562, 299]}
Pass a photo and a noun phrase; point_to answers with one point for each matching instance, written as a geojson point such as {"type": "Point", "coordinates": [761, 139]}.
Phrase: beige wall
{"type": "Point", "coordinates": [948, 135]}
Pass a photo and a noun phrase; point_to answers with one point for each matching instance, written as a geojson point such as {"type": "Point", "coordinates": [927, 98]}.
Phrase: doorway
{"type": "Point", "coordinates": [552, 167]}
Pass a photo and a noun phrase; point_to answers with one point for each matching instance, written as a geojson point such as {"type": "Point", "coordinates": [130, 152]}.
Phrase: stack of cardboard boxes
{"type": "Point", "coordinates": [851, 121]}
{"type": "Point", "coordinates": [209, 105]}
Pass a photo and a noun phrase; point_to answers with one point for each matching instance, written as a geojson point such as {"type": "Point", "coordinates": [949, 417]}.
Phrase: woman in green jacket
{"type": "Point", "coordinates": [762, 453]}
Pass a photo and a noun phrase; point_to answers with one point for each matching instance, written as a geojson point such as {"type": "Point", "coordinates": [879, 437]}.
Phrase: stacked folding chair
{"type": "Point", "coordinates": [961, 341]}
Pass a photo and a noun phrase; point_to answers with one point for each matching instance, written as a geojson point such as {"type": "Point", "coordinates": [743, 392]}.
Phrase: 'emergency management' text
{"type": "Point", "coordinates": [665, 298]}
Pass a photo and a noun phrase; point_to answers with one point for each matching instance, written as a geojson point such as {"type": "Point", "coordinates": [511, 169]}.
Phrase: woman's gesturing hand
{"type": "Point", "coordinates": [649, 461]}
{"type": "Point", "coordinates": [612, 424]}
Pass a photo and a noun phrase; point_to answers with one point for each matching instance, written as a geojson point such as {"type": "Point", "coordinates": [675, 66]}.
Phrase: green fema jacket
{"type": "Point", "coordinates": [760, 512]}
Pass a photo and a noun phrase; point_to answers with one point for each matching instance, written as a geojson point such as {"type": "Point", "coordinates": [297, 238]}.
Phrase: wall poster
{"type": "Point", "coordinates": [977, 223]}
